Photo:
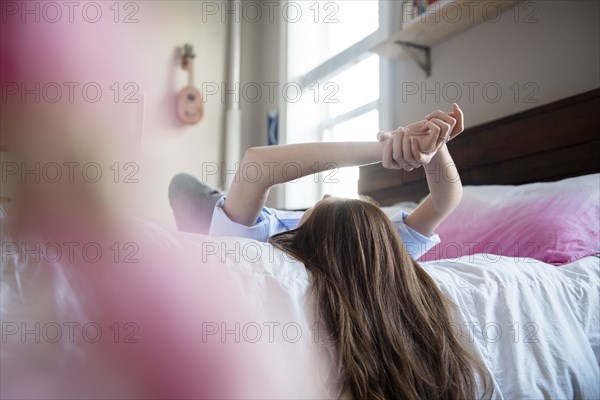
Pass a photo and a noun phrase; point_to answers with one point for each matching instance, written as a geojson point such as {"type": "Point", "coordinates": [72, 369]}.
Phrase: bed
{"type": "Point", "coordinates": [176, 315]}
{"type": "Point", "coordinates": [202, 317]}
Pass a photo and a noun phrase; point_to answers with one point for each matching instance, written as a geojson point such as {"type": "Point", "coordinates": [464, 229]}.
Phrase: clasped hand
{"type": "Point", "coordinates": [414, 145]}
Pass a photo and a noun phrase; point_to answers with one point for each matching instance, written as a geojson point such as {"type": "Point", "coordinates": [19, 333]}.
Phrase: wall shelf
{"type": "Point", "coordinates": [439, 22]}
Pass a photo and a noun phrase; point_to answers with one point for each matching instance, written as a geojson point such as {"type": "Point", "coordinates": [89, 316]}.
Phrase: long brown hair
{"type": "Point", "coordinates": [389, 323]}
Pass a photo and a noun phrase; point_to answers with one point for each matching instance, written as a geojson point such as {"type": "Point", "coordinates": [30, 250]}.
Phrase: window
{"type": "Point", "coordinates": [321, 30]}
{"type": "Point", "coordinates": [328, 59]}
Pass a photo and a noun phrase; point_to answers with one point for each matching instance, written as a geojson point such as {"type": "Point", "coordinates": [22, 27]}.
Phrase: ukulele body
{"type": "Point", "coordinates": [190, 109]}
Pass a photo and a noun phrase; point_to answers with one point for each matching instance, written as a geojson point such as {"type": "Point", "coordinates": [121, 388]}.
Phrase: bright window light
{"type": "Point", "coordinates": [344, 181]}
{"type": "Point", "coordinates": [358, 85]}
{"type": "Point", "coordinates": [340, 95]}
{"type": "Point", "coordinates": [322, 29]}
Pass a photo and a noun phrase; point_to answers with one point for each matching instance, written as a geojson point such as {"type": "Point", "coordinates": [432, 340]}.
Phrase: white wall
{"type": "Point", "coordinates": [170, 147]}
{"type": "Point", "coordinates": [559, 56]}
{"type": "Point", "coordinates": [142, 52]}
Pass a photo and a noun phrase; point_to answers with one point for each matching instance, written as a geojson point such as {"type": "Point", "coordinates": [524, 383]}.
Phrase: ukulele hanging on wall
{"type": "Point", "coordinates": [189, 100]}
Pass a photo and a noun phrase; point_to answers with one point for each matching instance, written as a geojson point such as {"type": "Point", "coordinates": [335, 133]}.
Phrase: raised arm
{"type": "Point", "coordinates": [423, 143]}
{"type": "Point", "coordinates": [263, 167]}
{"type": "Point", "coordinates": [445, 194]}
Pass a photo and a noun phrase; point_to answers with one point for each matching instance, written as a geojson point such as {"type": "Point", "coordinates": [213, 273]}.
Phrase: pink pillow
{"type": "Point", "coordinates": [555, 222]}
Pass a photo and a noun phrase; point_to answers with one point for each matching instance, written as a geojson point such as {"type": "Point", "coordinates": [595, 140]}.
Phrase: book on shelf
{"type": "Point", "coordinates": [414, 8]}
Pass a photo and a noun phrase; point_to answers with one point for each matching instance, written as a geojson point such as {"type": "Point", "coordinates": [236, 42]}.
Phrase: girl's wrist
{"type": "Point", "coordinates": [441, 153]}
{"type": "Point", "coordinates": [442, 156]}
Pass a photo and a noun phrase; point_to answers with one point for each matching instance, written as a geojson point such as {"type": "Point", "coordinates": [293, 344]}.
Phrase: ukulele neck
{"type": "Point", "coordinates": [187, 62]}
{"type": "Point", "coordinates": [190, 69]}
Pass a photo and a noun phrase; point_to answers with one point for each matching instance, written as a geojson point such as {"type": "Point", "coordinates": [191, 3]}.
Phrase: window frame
{"type": "Point", "coordinates": [389, 22]}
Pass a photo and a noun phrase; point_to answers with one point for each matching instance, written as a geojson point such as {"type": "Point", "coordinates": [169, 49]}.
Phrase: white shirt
{"type": "Point", "coordinates": [272, 221]}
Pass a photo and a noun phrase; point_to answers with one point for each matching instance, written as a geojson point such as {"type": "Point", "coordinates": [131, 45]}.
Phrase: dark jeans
{"type": "Point", "coordinates": [192, 202]}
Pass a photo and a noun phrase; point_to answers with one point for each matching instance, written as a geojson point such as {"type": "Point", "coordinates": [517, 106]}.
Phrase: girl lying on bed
{"type": "Point", "coordinates": [389, 323]}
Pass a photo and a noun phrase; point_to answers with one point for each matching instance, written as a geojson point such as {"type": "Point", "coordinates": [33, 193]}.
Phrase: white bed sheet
{"type": "Point", "coordinates": [534, 325]}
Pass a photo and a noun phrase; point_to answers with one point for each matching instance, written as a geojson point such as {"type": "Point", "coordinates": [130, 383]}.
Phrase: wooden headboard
{"type": "Point", "coordinates": [547, 143]}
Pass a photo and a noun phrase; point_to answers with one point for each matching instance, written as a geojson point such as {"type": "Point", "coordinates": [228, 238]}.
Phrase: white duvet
{"type": "Point", "coordinates": [535, 326]}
